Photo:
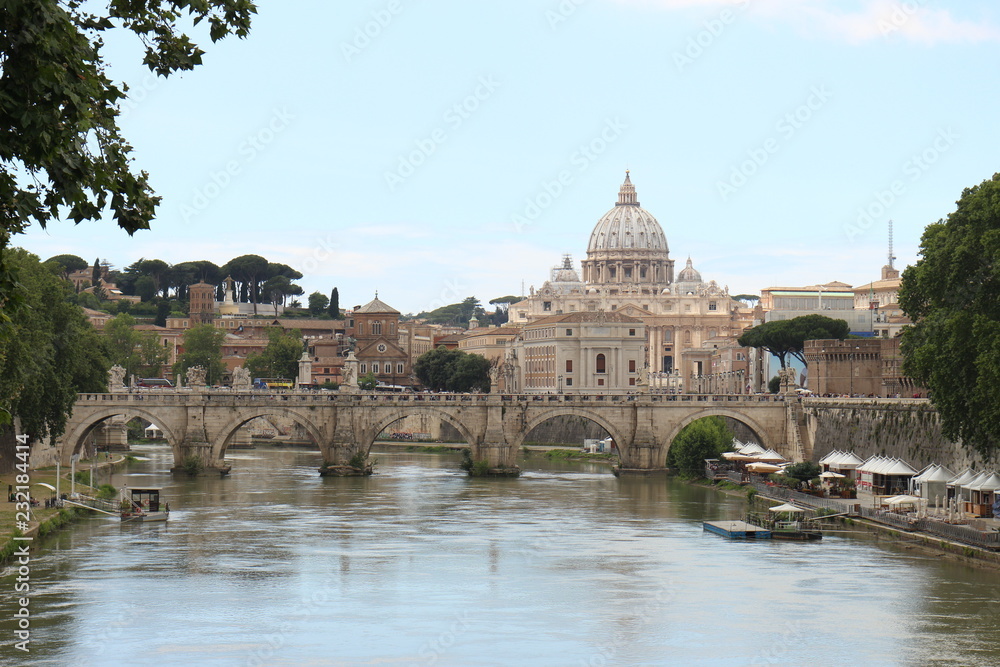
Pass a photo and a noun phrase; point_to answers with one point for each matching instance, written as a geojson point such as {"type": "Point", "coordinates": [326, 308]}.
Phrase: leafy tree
{"type": "Point", "coordinates": [784, 338]}
{"type": "Point", "coordinates": [68, 264]}
{"type": "Point", "coordinates": [367, 382]}
{"type": "Point", "coordinates": [803, 472]}
{"type": "Point", "coordinates": [953, 347]}
{"type": "Point", "coordinates": [774, 384]}
{"type": "Point", "coordinates": [95, 273]}
{"type": "Point", "coordinates": [502, 304]}
{"type": "Point", "coordinates": [334, 308]}
{"type": "Point", "coordinates": [138, 352]}
{"type": "Point", "coordinates": [749, 299]}
{"type": "Point", "coordinates": [442, 369]}
{"type": "Point", "coordinates": [202, 347]}
{"type": "Point", "coordinates": [471, 372]}
{"type": "Point", "coordinates": [318, 304]}
{"type": "Point", "coordinates": [279, 287]}
{"type": "Point", "coordinates": [280, 358]}
{"type": "Point", "coordinates": [249, 271]}
{"type": "Point", "coordinates": [704, 438]}
{"type": "Point", "coordinates": [61, 150]}
{"type": "Point", "coordinates": [145, 288]}
{"type": "Point", "coordinates": [162, 312]}
{"type": "Point", "coordinates": [48, 352]}
{"type": "Point", "coordinates": [456, 314]}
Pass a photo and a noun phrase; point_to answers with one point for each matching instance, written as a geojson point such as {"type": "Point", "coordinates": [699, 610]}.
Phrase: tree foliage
{"type": "Point", "coordinates": [455, 314]}
{"type": "Point", "coordinates": [61, 150]}
{"type": "Point", "coordinates": [784, 338]}
{"type": "Point", "coordinates": [442, 369]}
{"type": "Point", "coordinates": [202, 347]}
{"type": "Point", "coordinates": [280, 358]}
{"type": "Point", "coordinates": [704, 438]}
{"type": "Point", "coordinates": [952, 294]}
{"type": "Point", "coordinates": [318, 303]}
{"type": "Point", "coordinates": [333, 310]}
{"type": "Point", "coordinates": [48, 353]}
{"type": "Point", "coordinates": [138, 352]}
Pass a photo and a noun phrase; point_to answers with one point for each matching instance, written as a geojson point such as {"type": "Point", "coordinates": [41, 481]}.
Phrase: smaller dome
{"type": "Point", "coordinates": [688, 274]}
{"type": "Point", "coordinates": [565, 273]}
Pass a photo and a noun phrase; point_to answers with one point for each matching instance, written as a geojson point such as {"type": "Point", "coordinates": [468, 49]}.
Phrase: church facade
{"type": "Point", "coordinates": [628, 270]}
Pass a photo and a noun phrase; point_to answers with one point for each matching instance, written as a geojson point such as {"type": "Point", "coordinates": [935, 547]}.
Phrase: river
{"type": "Point", "coordinates": [421, 565]}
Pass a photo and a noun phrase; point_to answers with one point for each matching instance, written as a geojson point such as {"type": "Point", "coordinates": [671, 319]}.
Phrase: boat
{"type": "Point", "coordinates": [794, 530]}
{"type": "Point", "coordinates": [143, 505]}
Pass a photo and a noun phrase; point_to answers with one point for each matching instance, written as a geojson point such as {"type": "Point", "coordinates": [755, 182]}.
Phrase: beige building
{"type": "Point", "coordinates": [580, 352]}
{"type": "Point", "coordinates": [879, 300]}
{"type": "Point", "coordinates": [628, 270]}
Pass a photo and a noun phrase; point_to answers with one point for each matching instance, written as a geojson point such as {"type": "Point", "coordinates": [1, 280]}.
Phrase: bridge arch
{"type": "Point", "coordinates": [221, 442]}
{"type": "Point", "coordinates": [73, 440]}
{"type": "Point", "coordinates": [395, 414]}
{"type": "Point", "coordinates": [620, 437]}
{"type": "Point", "coordinates": [754, 425]}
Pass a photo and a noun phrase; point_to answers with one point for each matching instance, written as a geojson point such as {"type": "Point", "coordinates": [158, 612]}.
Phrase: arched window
{"type": "Point", "coordinates": [377, 328]}
{"type": "Point", "coordinates": [600, 364]}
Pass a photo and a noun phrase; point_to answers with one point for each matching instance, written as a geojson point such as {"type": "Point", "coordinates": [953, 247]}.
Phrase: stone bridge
{"type": "Point", "coordinates": [203, 424]}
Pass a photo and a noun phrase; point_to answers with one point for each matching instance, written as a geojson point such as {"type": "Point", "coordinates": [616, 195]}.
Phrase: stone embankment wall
{"type": "Point", "coordinates": [907, 430]}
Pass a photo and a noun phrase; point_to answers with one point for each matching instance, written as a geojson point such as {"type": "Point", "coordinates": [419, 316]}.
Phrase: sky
{"type": "Point", "coordinates": [437, 150]}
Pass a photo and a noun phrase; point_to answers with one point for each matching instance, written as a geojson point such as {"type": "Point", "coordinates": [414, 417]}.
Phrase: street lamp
{"type": "Point", "coordinates": [560, 384]}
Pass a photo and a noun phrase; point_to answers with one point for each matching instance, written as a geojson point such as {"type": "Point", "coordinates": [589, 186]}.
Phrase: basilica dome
{"type": "Point", "coordinates": [627, 226]}
{"type": "Point", "coordinates": [628, 247]}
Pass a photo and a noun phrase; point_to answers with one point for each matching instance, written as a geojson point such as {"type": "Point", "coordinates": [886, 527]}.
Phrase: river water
{"type": "Point", "coordinates": [421, 565]}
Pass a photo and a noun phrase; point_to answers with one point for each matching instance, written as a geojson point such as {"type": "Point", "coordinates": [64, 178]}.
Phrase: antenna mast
{"type": "Point", "coordinates": [891, 257]}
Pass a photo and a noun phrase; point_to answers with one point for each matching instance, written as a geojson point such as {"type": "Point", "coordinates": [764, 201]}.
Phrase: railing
{"type": "Point", "coordinates": [182, 395]}
{"type": "Point", "coordinates": [960, 533]}
{"type": "Point", "coordinates": [782, 493]}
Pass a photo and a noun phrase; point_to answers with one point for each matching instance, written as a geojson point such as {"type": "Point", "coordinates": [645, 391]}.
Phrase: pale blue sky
{"type": "Point", "coordinates": [289, 144]}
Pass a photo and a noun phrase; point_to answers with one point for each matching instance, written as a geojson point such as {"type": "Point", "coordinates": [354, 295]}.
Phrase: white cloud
{"type": "Point", "coordinates": [868, 20]}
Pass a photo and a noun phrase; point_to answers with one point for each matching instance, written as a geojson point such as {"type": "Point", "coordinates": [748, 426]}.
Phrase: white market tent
{"type": "Point", "coordinates": [751, 449]}
{"type": "Point", "coordinates": [786, 507]}
{"type": "Point", "coordinates": [932, 484]}
{"type": "Point", "coordinates": [955, 484]}
{"type": "Point", "coordinates": [881, 475]}
{"type": "Point", "coordinates": [761, 467]}
{"type": "Point", "coordinates": [770, 456]}
{"type": "Point", "coordinates": [153, 432]}
{"type": "Point", "coordinates": [843, 462]}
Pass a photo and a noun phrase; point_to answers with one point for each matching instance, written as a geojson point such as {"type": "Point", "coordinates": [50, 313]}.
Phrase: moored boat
{"type": "Point", "coordinates": [143, 505]}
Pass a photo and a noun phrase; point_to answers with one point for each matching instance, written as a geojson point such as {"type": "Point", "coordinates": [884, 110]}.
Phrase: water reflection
{"type": "Point", "coordinates": [421, 565]}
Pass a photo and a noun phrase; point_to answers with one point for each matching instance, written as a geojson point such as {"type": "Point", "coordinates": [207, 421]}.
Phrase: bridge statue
{"type": "Point", "coordinates": [350, 372]}
{"type": "Point", "coordinates": [116, 379]}
{"type": "Point", "coordinates": [196, 376]}
{"type": "Point", "coordinates": [241, 379]}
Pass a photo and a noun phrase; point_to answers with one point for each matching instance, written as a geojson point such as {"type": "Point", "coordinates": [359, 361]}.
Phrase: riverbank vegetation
{"type": "Point", "coordinates": [705, 438]}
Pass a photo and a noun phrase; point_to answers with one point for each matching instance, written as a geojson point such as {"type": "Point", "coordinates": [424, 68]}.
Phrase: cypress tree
{"type": "Point", "coordinates": [334, 308]}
